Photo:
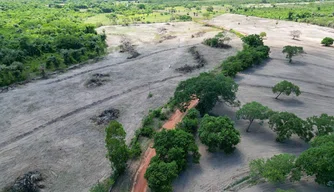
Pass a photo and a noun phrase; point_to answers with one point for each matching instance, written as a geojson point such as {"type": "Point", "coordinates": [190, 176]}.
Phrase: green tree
{"type": "Point", "coordinates": [209, 9]}
{"type": "Point", "coordinates": [175, 145]}
{"type": "Point", "coordinates": [190, 122]}
{"type": "Point", "coordinates": [263, 35]}
{"type": "Point", "coordinates": [327, 41]}
{"type": "Point", "coordinates": [318, 160]}
{"type": "Point", "coordinates": [160, 175]}
{"type": "Point", "coordinates": [276, 169]}
{"type": "Point", "coordinates": [218, 133]}
{"type": "Point", "coordinates": [253, 40]}
{"type": "Point", "coordinates": [206, 15]}
{"type": "Point", "coordinates": [253, 110]}
{"type": "Point", "coordinates": [291, 51]}
{"type": "Point", "coordinates": [208, 88]}
{"type": "Point", "coordinates": [286, 88]}
{"type": "Point", "coordinates": [324, 124]}
{"type": "Point", "coordinates": [118, 152]}
{"type": "Point", "coordinates": [285, 124]}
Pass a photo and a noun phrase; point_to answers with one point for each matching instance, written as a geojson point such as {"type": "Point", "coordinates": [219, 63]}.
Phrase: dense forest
{"type": "Point", "coordinates": [314, 13]}
{"type": "Point", "coordinates": [38, 37]}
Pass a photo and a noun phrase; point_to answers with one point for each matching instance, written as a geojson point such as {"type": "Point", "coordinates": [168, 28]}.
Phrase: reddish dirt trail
{"type": "Point", "coordinates": [140, 183]}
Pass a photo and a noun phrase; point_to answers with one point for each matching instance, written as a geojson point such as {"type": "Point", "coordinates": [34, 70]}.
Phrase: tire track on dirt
{"type": "Point", "coordinates": [269, 87]}
{"type": "Point", "coordinates": [119, 63]}
{"type": "Point", "coordinates": [291, 78]}
{"type": "Point", "coordinates": [80, 109]}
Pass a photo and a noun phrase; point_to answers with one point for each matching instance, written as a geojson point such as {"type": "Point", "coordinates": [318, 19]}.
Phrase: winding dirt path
{"type": "Point", "coordinates": [140, 183]}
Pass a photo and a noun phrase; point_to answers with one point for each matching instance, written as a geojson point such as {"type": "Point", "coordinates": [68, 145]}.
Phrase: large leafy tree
{"type": "Point", "coordinates": [253, 40]}
{"type": "Point", "coordinates": [286, 88]}
{"type": "Point", "coordinates": [275, 169]}
{"type": "Point", "coordinates": [175, 145]}
{"type": "Point", "coordinates": [285, 124]}
{"type": "Point", "coordinates": [160, 175]}
{"type": "Point", "coordinates": [324, 124]}
{"type": "Point", "coordinates": [253, 110]}
{"type": "Point", "coordinates": [208, 88]}
{"type": "Point", "coordinates": [118, 152]}
{"type": "Point", "coordinates": [318, 160]}
{"type": "Point", "coordinates": [291, 51]}
{"type": "Point", "coordinates": [190, 122]}
{"type": "Point", "coordinates": [218, 133]}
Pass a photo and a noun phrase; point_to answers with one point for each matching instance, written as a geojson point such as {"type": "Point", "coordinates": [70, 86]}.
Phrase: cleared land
{"type": "Point", "coordinates": [46, 125]}
{"type": "Point", "coordinates": [313, 72]}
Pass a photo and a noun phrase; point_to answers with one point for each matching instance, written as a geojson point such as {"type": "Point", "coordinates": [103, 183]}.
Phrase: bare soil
{"type": "Point", "coordinates": [312, 72]}
{"type": "Point", "coordinates": [46, 125]}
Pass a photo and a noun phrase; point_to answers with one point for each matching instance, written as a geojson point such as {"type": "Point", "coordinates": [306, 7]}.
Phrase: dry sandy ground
{"type": "Point", "coordinates": [45, 125]}
{"type": "Point", "coordinates": [313, 72]}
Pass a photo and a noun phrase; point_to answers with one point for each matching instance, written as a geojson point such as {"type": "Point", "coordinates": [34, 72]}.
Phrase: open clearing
{"type": "Point", "coordinates": [46, 125]}
{"type": "Point", "coordinates": [312, 72]}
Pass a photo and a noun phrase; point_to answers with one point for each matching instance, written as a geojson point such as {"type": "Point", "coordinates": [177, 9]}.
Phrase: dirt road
{"type": "Point", "coordinates": [140, 183]}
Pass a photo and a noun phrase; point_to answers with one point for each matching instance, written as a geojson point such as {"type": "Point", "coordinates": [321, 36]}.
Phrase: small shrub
{"type": "Point", "coordinates": [150, 95]}
{"type": "Point", "coordinates": [135, 150]}
{"type": "Point", "coordinates": [327, 41]}
{"type": "Point", "coordinates": [147, 131]}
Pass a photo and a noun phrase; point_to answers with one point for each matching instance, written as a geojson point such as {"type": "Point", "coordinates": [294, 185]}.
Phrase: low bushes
{"type": "Point", "coordinates": [219, 41]}
{"type": "Point", "coordinates": [245, 59]}
{"type": "Point", "coordinates": [327, 41]}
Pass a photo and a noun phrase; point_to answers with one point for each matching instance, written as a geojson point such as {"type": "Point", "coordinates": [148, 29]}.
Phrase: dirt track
{"type": "Point", "coordinates": [46, 125]}
{"type": "Point", "coordinates": [313, 72]}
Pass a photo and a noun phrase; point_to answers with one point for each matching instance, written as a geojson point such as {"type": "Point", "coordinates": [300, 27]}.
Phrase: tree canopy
{"type": "Point", "coordinates": [208, 88]}
{"type": "Point", "coordinates": [254, 40]}
{"type": "Point", "coordinates": [253, 110]}
{"type": "Point", "coordinates": [324, 124]}
{"type": "Point", "coordinates": [285, 124]}
{"type": "Point", "coordinates": [190, 121]}
{"type": "Point", "coordinates": [327, 41]}
{"type": "Point", "coordinates": [218, 133]}
{"type": "Point", "coordinates": [118, 152]}
{"type": "Point", "coordinates": [286, 88]}
{"type": "Point", "coordinates": [291, 51]}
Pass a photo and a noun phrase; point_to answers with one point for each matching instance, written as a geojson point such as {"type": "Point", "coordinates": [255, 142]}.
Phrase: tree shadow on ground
{"type": "Point", "coordinates": [289, 102]}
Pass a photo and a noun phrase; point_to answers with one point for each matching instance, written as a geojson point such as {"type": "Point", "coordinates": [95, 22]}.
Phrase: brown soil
{"type": "Point", "coordinates": [140, 183]}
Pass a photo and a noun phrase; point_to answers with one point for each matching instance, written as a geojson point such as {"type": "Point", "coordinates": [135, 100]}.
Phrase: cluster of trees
{"type": "Point", "coordinates": [316, 161]}
{"type": "Point", "coordinates": [218, 41]}
{"type": "Point", "coordinates": [35, 38]}
{"type": "Point", "coordinates": [284, 124]}
{"type": "Point", "coordinates": [172, 150]}
{"type": "Point", "coordinates": [253, 53]}
{"type": "Point", "coordinates": [319, 14]}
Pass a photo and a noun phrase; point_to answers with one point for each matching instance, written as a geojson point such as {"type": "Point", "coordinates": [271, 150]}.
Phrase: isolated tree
{"type": "Point", "coordinates": [218, 133]}
{"type": "Point", "coordinates": [285, 124]}
{"type": "Point", "coordinates": [327, 41]}
{"type": "Point", "coordinates": [286, 88]}
{"type": "Point", "coordinates": [253, 40]}
{"type": "Point", "coordinates": [295, 34]}
{"type": "Point", "coordinates": [291, 51]}
{"type": "Point", "coordinates": [263, 35]}
{"type": "Point", "coordinates": [118, 152]}
{"type": "Point", "coordinates": [318, 160]}
{"type": "Point", "coordinates": [209, 9]}
{"type": "Point", "coordinates": [160, 175]}
{"type": "Point", "coordinates": [252, 111]}
{"type": "Point", "coordinates": [324, 124]}
{"type": "Point", "coordinates": [276, 169]}
{"type": "Point", "coordinates": [208, 88]}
